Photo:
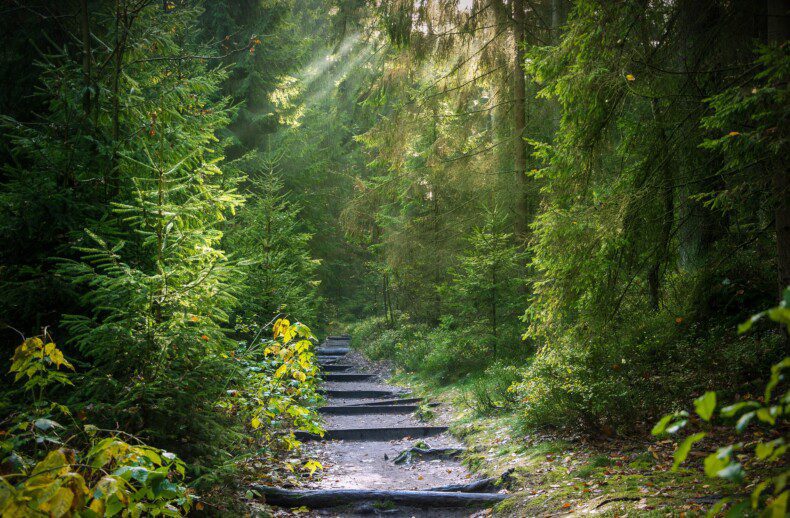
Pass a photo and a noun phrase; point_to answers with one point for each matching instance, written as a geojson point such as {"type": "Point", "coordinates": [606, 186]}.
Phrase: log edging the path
{"type": "Point", "coordinates": [348, 376]}
{"type": "Point", "coordinates": [373, 434]}
{"type": "Point", "coordinates": [367, 409]}
{"type": "Point", "coordinates": [359, 394]}
{"type": "Point", "coordinates": [322, 498]}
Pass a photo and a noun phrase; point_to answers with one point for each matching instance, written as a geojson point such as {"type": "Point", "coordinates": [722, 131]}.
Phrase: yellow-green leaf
{"type": "Point", "coordinates": [705, 405]}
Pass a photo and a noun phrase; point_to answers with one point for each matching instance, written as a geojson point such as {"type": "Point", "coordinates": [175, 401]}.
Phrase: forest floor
{"type": "Point", "coordinates": [553, 474]}
{"type": "Point", "coordinates": [559, 475]}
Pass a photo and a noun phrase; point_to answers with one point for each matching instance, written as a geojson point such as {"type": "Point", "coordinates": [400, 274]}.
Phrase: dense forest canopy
{"type": "Point", "coordinates": [569, 204]}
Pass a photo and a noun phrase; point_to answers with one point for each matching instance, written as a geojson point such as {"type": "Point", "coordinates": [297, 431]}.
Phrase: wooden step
{"type": "Point", "coordinates": [399, 401]}
{"type": "Point", "coordinates": [360, 394]}
{"type": "Point", "coordinates": [368, 409]}
{"type": "Point", "coordinates": [332, 351]}
{"type": "Point", "coordinates": [348, 376]}
{"type": "Point", "coordinates": [336, 367]}
{"type": "Point", "coordinates": [374, 434]}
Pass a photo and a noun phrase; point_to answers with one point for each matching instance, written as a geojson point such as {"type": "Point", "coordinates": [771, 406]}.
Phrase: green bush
{"type": "Point", "coordinates": [492, 391]}
{"type": "Point", "coordinates": [623, 378]}
{"type": "Point", "coordinates": [441, 355]}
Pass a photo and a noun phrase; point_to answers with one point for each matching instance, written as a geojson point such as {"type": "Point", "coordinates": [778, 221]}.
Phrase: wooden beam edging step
{"type": "Point", "coordinates": [336, 367]}
{"type": "Point", "coordinates": [401, 401]}
{"type": "Point", "coordinates": [373, 434]}
{"type": "Point", "coordinates": [323, 498]}
{"type": "Point", "coordinates": [367, 409]}
{"type": "Point", "coordinates": [348, 376]}
{"type": "Point", "coordinates": [359, 394]}
{"type": "Point", "coordinates": [332, 351]}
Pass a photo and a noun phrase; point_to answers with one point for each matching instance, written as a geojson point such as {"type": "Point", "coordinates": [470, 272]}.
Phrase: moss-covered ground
{"type": "Point", "coordinates": [559, 474]}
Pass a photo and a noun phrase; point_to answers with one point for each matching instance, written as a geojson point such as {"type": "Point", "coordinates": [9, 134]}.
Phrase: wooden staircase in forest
{"type": "Point", "coordinates": [363, 414]}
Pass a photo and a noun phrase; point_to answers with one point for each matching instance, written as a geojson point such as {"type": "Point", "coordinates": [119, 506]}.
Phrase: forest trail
{"type": "Point", "coordinates": [370, 428]}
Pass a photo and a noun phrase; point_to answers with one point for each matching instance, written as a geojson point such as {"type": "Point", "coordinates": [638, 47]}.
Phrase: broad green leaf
{"type": "Point", "coordinates": [778, 453]}
{"type": "Point", "coordinates": [677, 426]}
{"type": "Point", "coordinates": [733, 471]}
{"type": "Point", "coordinates": [780, 314]}
{"type": "Point", "coordinates": [685, 447]}
{"type": "Point", "coordinates": [714, 464]}
{"type": "Point", "coordinates": [53, 465]}
{"type": "Point", "coordinates": [745, 326]}
{"type": "Point", "coordinates": [661, 425]}
{"type": "Point", "coordinates": [776, 377]}
{"type": "Point", "coordinates": [732, 410]}
{"type": "Point", "coordinates": [778, 507]}
{"type": "Point", "coordinates": [758, 489]}
{"type": "Point", "coordinates": [744, 421]}
{"type": "Point", "coordinates": [46, 424]}
{"type": "Point", "coordinates": [151, 455]}
{"type": "Point", "coordinates": [59, 504]}
{"type": "Point", "coordinates": [705, 405]}
{"type": "Point", "coordinates": [764, 449]}
{"type": "Point", "coordinates": [767, 415]}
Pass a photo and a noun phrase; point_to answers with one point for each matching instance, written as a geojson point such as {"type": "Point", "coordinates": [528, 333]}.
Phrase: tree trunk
{"type": "Point", "coordinates": [667, 215]}
{"type": "Point", "coordinates": [520, 123]}
{"type": "Point", "coordinates": [777, 32]}
{"type": "Point", "coordinates": [558, 17]}
{"type": "Point", "coordinates": [86, 55]}
{"type": "Point", "coordinates": [781, 186]}
{"type": "Point", "coordinates": [120, 40]}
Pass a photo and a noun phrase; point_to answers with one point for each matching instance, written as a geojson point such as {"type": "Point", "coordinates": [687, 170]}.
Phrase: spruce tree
{"type": "Point", "coordinates": [486, 292]}
{"type": "Point", "coordinates": [278, 273]}
{"type": "Point", "coordinates": [155, 284]}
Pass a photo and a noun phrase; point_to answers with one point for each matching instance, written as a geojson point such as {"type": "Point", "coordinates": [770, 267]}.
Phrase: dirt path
{"type": "Point", "coordinates": [375, 436]}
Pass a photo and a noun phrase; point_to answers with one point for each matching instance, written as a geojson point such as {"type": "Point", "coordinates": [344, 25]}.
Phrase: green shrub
{"type": "Point", "coordinates": [492, 391]}
{"type": "Point", "coordinates": [441, 355]}
{"type": "Point", "coordinates": [54, 470]}
{"type": "Point", "coordinates": [624, 376]}
{"type": "Point", "coordinates": [769, 412]}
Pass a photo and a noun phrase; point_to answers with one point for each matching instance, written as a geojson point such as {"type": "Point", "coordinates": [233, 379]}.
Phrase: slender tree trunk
{"type": "Point", "coordinates": [777, 32]}
{"type": "Point", "coordinates": [781, 186]}
{"type": "Point", "coordinates": [520, 123]}
{"type": "Point", "coordinates": [558, 16]}
{"type": "Point", "coordinates": [667, 216]}
{"type": "Point", "coordinates": [114, 180]}
{"type": "Point", "coordinates": [388, 315]}
{"type": "Point", "coordinates": [86, 55]}
{"type": "Point", "coordinates": [493, 308]}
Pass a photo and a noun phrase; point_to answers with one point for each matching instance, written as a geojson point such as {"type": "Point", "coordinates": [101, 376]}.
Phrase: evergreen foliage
{"type": "Point", "coordinates": [567, 206]}
{"type": "Point", "coordinates": [279, 274]}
